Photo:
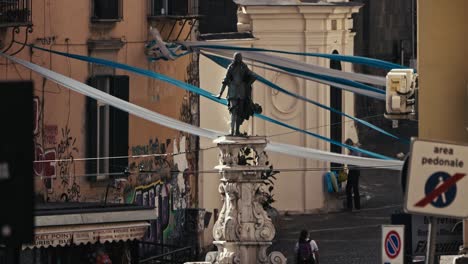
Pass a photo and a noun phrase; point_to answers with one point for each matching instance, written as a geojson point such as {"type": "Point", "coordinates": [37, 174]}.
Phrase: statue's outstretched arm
{"type": "Point", "coordinates": [222, 90]}
{"type": "Point", "coordinates": [226, 82]}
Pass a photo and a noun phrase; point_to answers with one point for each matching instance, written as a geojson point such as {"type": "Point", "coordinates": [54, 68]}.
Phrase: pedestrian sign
{"type": "Point", "coordinates": [392, 244]}
{"type": "Point", "coordinates": [436, 179]}
{"type": "Point", "coordinates": [436, 194]}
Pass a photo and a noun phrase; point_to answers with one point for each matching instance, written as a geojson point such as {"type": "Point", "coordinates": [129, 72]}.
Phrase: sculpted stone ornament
{"type": "Point", "coordinates": [243, 231]}
{"type": "Point", "coordinates": [239, 80]}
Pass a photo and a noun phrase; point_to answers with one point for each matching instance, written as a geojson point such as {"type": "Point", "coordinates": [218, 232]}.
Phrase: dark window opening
{"type": "Point", "coordinates": [336, 127]}
{"type": "Point", "coordinates": [172, 7]}
{"type": "Point", "coordinates": [107, 10]}
{"type": "Point", "coordinates": [219, 16]}
{"type": "Point", "coordinates": [107, 128]}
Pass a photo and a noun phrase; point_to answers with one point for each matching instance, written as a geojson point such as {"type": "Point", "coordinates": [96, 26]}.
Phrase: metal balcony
{"type": "Point", "coordinates": [173, 17]}
{"type": "Point", "coordinates": [15, 13]}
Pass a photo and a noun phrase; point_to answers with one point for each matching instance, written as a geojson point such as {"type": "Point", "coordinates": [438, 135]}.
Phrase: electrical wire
{"type": "Point", "coordinates": [124, 157]}
{"type": "Point", "coordinates": [185, 152]}
{"type": "Point", "coordinates": [214, 171]}
{"type": "Point", "coordinates": [17, 71]}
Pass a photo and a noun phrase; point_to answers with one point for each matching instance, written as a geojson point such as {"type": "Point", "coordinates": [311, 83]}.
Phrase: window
{"type": "Point", "coordinates": [107, 10]}
{"type": "Point", "coordinates": [219, 16]}
{"type": "Point", "coordinates": [15, 12]}
{"type": "Point", "coordinates": [158, 7]}
{"type": "Point", "coordinates": [178, 7]}
{"type": "Point", "coordinates": [171, 7]}
{"type": "Point", "coordinates": [107, 128]}
{"type": "Point", "coordinates": [334, 24]}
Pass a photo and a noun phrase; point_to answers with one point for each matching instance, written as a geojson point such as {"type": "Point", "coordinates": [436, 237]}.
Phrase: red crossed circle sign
{"type": "Point", "coordinates": [392, 244]}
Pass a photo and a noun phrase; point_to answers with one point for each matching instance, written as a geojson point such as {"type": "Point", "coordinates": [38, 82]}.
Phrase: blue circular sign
{"type": "Point", "coordinates": [445, 198]}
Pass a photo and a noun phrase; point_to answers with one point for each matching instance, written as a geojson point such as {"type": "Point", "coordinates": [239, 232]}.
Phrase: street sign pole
{"type": "Point", "coordinates": [431, 240]}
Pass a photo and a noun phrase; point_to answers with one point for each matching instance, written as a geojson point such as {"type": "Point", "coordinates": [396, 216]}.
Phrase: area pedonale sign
{"type": "Point", "coordinates": [437, 182]}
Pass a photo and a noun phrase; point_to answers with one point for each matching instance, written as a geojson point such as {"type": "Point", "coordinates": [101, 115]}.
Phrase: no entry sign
{"type": "Point", "coordinates": [437, 181]}
{"type": "Point", "coordinates": [392, 244]}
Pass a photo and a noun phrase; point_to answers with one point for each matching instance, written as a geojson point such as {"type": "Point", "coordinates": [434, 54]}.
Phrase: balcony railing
{"type": "Point", "coordinates": [168, 254]}
{"type": "Point", "coordinates": [175, 19]}
{"type": "Point", "coordinates": [15, 13]}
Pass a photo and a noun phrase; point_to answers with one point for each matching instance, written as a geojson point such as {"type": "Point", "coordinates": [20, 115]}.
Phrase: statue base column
{"type": "Point", "coordinates": [243, 231]}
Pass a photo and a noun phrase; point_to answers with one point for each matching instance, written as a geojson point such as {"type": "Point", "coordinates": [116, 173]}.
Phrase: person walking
{"type": "Point", "coordinates": [306, 249]}
{"type": "Point", "coordinates": [352, 185]}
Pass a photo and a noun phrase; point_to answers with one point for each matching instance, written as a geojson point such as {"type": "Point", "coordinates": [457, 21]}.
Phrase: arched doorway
{"type": "Point", "coordinates": [335, 119]}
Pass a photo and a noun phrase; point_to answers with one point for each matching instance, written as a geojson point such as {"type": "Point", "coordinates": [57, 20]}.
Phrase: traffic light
{"type": "Point", "coordinates": [401, 87]}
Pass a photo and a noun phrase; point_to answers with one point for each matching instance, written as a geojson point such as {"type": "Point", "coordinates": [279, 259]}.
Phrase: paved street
{"type": "Point", "coordinates": [348, 237]}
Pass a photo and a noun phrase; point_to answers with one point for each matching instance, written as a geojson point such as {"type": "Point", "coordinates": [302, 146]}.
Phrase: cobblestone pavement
{"type": "Point", "coordinates": [347, 237]}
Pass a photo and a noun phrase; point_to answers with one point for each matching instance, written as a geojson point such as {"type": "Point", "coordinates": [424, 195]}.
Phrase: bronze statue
{"type": "Point", "coordinates": [239, 80]}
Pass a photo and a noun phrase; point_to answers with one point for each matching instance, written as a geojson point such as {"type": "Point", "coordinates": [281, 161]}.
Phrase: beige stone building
{"type": "Point", "coordinates": [442, 69]}
{"type": "Point", "coordinates": [300, 26]}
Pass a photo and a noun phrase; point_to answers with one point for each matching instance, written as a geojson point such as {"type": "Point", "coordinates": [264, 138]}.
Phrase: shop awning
{"type": "Point", "coordinates": [66, 224]}
{"type": "Point", "coordinates": [54, 236]}
{"type": "Point", "coordinates": [92, 214]}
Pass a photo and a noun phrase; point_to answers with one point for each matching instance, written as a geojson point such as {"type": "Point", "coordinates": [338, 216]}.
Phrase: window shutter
{"type": "Point", "coordinates": [118, 141]}
{"type": "Point", "coordinates": [91, 132]}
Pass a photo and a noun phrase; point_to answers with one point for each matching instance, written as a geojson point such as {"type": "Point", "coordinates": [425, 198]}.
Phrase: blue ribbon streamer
{"type": "Point", "coordinates": [334, 142]}
{"type": "Point", "coordinates": [199, 91]}
{"type": "Point", "coordinates": [329, 78]}
{"type": "Point", "coordinates": [352, 59]}
{"type": "Point", "coordinates": [225, 64]}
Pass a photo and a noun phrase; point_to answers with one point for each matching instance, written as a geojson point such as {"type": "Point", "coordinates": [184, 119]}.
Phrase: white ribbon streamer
{"type": "Point", "coordinates": [338, 85]}
{"type": "Point", "coordinates": [159, 49]}
{"type": "Point", "coordinates": [114, 101]}
{"type": "Point", "coordinates": [315, 154]}
{"type": "Point", "coordinates": [294, 64]}
{"type": "Point", "coordinates": [157, 118]}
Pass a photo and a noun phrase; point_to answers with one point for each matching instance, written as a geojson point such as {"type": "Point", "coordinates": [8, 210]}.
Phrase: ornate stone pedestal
{"type": "Point", "coordinates": [243, 231]}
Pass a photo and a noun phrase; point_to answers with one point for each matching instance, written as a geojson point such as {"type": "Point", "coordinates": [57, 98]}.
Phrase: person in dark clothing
{"type": "Point", "coordinates": [306, 249]}
{"type": "Point", "coordinates": [352, 186]}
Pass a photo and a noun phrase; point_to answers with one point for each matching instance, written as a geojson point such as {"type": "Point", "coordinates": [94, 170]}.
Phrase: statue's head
{"type": "Point", "coordinates": [237, 57]}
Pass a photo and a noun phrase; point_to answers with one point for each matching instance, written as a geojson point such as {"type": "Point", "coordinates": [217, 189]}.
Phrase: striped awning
{"type": "Point", "coordinates": [53, 236]}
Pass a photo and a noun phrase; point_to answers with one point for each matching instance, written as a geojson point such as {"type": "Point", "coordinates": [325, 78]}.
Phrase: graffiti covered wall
{"type": "Point", "coordinates": [163, 182]}
{"type": "Point", "coordinates": [166, 178]}
{"type": "Point", "coordinates": [55, 147]}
